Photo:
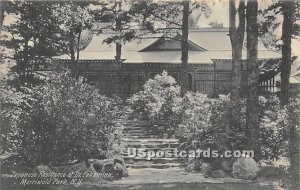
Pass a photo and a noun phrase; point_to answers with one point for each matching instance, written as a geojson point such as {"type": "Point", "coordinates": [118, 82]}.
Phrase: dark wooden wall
{"type": "Point", "coordinates": [212, 78]}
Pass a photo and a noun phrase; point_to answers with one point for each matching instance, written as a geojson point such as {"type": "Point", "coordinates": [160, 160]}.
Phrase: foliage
{"type": "Point", "coordinates": [165, 16]}
{"type": "Point", "coordinates": [44, 29]}
{"type": "Point", "coordinates": [73, 18]}
{"type": "Point", "coordinates": [12, 104]}
{"type": "Point", "coordinates": [211, 123]}
{"type": "Point", "coordinates": [159, 102]}
{"type": "Point", "coordinates": [66, 119]}
{"type": "Point", "coordinates": [196, 112]}
{"type": "Point", "coordinates": [274, 128]}
{"type": "Point", "coordinates": [223, 125]}
{"type": "Point", "coordinates": [120, 21]}
{"type": "Point", "coordinates": [34, 36]}
{"type": "Point", "coordinates": [216, 24]}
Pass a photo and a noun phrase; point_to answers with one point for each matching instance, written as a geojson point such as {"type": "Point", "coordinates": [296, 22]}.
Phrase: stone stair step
{"type": "Point", "coordinates": [132, 121]}
{"type": "Point", "coordinates": [135, 130]}
{"type": "Point", "coordinates": [139, 136]}
{"type": "Point", "coordinates": [141, 133]}
{"type": "Point", "coordinates": [151, 149]}
{"type": "Point", "coordinates": [157, 166]}
{"type": "Point", "coordinates": [154, 160]}
{"type": "Point", "coordinates": [154, 145]}
{"type": "Point", "coordinates": [150, 140]}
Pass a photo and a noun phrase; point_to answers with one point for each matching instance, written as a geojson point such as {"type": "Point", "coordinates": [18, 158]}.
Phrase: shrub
{"type": "Point", "coordinates": [159, 102]}
{"type": "Point", "coordinates": [11, 104]}
{"type": "Point", "coordinates": [66, 119]}
{"type": "Point", "coordinates": [273, 128]}
{"type": "Point", "coordinates": [221, 124]}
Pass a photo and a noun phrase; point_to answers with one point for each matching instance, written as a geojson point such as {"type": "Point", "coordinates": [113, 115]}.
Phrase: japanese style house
{"type": "Point", "coordinates": [209, 62]}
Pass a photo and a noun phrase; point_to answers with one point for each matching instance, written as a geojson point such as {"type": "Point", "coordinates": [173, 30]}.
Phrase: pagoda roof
{"type": "Point", "coordinates": [204, 46]}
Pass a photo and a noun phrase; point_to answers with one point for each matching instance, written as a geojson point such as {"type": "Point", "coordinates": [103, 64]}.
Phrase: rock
{"type": "Point", "coordinates": [197, 165]}
{"type": "Point", "coordinates": [225, 165]}
{"type": "Point", "coordinates": [205, 168]}
{"type": "Point", "coordinates": [80, 167]}
{"type": "Point", "coordinates": [121, 165]}
{"type": "Point", "coordinates": [116, 167]}
{"type": "Point", "coordinates": [245, 168]}
{"type": "Point", "coordinates": [104, 166]}
{"type": "Point", "coordinates": [119, 160]}
{"type": "Point", "coordinates": [44, 169]}
{"type": "Point", "coordinates": [120, 170]}
{"type": "Point", "coordinates": [190, 167]}
{"type": "Point", "coordinates": [270, 172]}
{"type": "Point", "coordinates": [218, 174]}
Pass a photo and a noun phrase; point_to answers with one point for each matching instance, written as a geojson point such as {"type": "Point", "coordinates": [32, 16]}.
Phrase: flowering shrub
{"type": "Point", "coordinates": [273, 128]}
{"type": "Point", "coordinates": [11, 103]}
{"type": "Point", "coordinates": [213, 123]}
{"type": "Point", "coordinates": [159, 102]}
{"type": "Point", "coordinates": [66, 119]}
{"type": "Point", "coordinates": [224, 123]}
{"type": "Point", "coordinates": [196, 111]}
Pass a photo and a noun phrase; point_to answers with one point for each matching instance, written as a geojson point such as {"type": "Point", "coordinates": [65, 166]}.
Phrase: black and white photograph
{"type": "Point", "coordinates": [149, 94]}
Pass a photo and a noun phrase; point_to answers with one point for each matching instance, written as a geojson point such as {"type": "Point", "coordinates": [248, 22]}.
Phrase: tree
{"type": "Point", "coordinates": [170, 19]}
{"type": "Point", "coordinates": [237, 40]}
{"type": "Point", "coordinates": [252, 104]}
{"type": "Point", "coordinates": [185, 46]}
{"type": "Point", "coordinates": [117, 19]}
{"type": "Point", "coordinates": [5, 7]}
{"type": "Point", "coordinates": [51, 132]}
{"type": "Point", "coordinates": [73, 18]}
{"type": "Point", "coordinates": [35, 37]}
{"type": "Point", "coordinates": [288, 10]}
{"type": "Point", "coordinates": [290, 29]}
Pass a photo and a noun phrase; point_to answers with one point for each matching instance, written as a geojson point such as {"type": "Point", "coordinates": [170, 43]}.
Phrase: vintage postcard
{"type": "Point", "coordinates": [149, 94]}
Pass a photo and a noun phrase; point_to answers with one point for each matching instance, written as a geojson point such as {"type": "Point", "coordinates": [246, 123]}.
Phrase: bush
{"type": "Point", "coordinates": [218, 124]}
{"type": "Point", "coordinates": [273, 129]}
{"type": "Point", "coordinates": [159, 102]}
{"type": "Point", "coordinates": [66, 119]}
{"type": "Point", "coordinates": [11, 104]}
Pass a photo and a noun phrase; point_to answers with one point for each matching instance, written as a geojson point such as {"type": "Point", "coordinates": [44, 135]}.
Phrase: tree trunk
{"type": "Point", "coordinates": [72, 52]}
{"type": "Point", "coordinates": [78, 44]}
{"type": "Point", "coordinates": [252, 105]}
{"type": "Point", "coordinates": [25, 63]}
{"type": "Point", "coordinates": [118, 58]}
{"type": "Point", "coordinates": [118, 29]}
{"type": "Point", "coordinates": [184, 46]}
{"type": "Point", "coordinates": [78, 53]}
{"type": "Point", "coordinates": [237, 40]}
{"type": "Point", "coordinates": [288, 10]}
{"type": "Point", "coordinates": [2, 10]}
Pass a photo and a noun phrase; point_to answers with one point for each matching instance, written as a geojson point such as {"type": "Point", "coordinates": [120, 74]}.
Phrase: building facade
{"type": "Point", "coordinates": [209, 68]}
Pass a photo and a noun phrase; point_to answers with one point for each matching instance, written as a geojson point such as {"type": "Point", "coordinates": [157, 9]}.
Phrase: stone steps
{"type": "Point", "coordinates": [157, 166]}
{"type": "Point", "coordinates": [140, 133]}
{"type": "Point", "coordinates": [137, 134]}
{"type": "Point", "coordinates": [154, 160]}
